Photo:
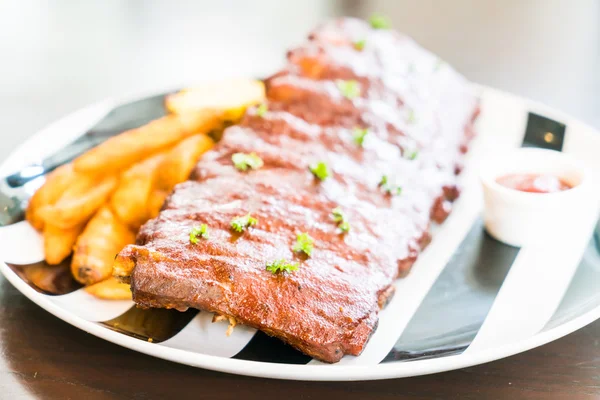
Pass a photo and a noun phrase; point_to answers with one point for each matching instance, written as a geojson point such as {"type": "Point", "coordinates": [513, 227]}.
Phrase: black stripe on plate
{"type": "Point", "coordinates": [408, 355]}
{"type": "Point", "coordinates": [52, 280]}
{"type": "Point", "coordinates": [129, 116]}
{"type": "Point", "coordinates": [455, 307]}
{"type": "Point", "coordinates": [265, 348]}
{"type": "Point", "coordinates": [489, 257]}
{"type": "Point", "coordinates": [465, 291]}
{"type": "Point", "coordinates": [544, 133]}
{"type": "Point", "coordinates": [152, 325]}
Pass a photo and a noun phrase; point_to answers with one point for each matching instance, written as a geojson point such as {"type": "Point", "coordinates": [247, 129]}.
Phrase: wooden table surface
{"type": "Point", "coordinates": [42, 357]}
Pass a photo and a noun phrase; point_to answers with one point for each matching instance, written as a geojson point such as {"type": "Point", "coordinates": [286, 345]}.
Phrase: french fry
{"type": "Point", "coordinates": [49, 193]}
{"type": "Point", "coordinates": [155, 202]}
{"type": "Point", "coordinates": [130, 201]}
{"type": "Point", "coordinates": [175, 168]}
{"type": "Point", "coordinates": [124, 150]}
{"type": "Point", "coordinates": [110, 289]}
{"type": "Point", "coordinates": [233, 96]}
{"type": "Point", "coordinates": [79, 202]}
{"type": "Point", "coordinates": [123, 182]}
{"type": "Point", "coordinates": [58, 243]}
{"type": "Point", "coordinates": [180, 160]}
{"type": "Point", "coordinates": [95, 250]}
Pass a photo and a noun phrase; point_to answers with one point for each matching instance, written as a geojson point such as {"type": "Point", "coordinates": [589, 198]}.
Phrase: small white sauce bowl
{"type": "Point", "coordinates": [521, 218]}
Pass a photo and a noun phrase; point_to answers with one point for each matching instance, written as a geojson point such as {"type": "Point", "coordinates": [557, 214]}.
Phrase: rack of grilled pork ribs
{"type": "Point", "coordinates": [390, 124]}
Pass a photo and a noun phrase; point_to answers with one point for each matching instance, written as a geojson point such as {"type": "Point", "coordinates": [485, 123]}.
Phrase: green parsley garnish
{"type": "Point", "coordinates": [238, 224]}
{"type": "Point", "coordinates": [378, 21]}
{"type": "Point", "coordinates": [243, 161]}
{"type": "Point", "coordinates": [262, 109]}
{"type": "Point", "coordinates": [344, 226]}
{"type": "Point", "coordinates": [198, 232]}
{"type": "Point", "coordinates": [439, 63]}
{"type": "Point", "coordinates": [350, 89]}
{"type": "Point", "coordinates": [411, 154]}
{"type": "Point", "coordinates": [411, 68]}
{"type": "Point", "coordinates": [360, 44]}
{"type": "Point", "coordinates": [338, 214]}
{"type": "Point", "coordinates": [383, 181]}
{"type": "Point", "coordinates": [389, 188]}
{"type": "Point", "coordinates": [340, 218]}
{"type": "Point", "coordinates": [397, 190]}
{"type": "Point", "coordinates": [319, 170]}
{"type": "Point", "coordinates": [281, 265]}
{"type": "Point", "coordinates": [304, 243]}
{"type": "Point", "coordinates": [359, 135]}
{"type": "Point", "coordinates": [411, 119]}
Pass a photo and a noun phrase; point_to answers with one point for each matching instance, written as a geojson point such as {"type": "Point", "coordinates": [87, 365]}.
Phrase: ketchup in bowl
{"type": "Point", "coordinates": [534, 183]}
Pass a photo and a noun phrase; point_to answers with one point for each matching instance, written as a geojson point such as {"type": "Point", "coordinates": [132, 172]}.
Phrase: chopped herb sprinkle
{"type": "Point", "coordinates": [360, 44]}
{"type": "Point", "coordinates": [359, 135]}
{"type": "Point", "coordinates": [340, 218]}
{"type": "Point", "coordinates": [411, 154]}
{"type": "Point", "coordinates": [338, 214]}
{"type": "Point", "coordinates": [388, 187]}
{"type": "Point", "coordinates": [383, 181]}
{"type": "Point", "coordinates": [344, 226]}
{"type": "Point", "coordinates": [378, 21]}
{"type": "Point", "coordinates": [439, 63]}
{"type": "Point", "coordinates": [281, 265]}
{"type": "Point", "coordinates": [238, 224]}
{"type": "Point", "coordinates": [243, 161]}
{"type": "Point", "coordinates": [350, 89]}
{"type": "Point", "coordinates": [411, 118]}
{"type": "Point", "coordinates": [198, 232]}
{"type": "Point", "coordinates": [319, 170]}
{"type": "Point", "coordinates": [304, 243]}
{"type": "Point", "coordinates": [262, 109]}
{"type": "Point", "coordinates": [395, 190]}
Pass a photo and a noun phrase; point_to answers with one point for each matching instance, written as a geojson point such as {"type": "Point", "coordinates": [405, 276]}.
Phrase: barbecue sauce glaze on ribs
{"type": "Point", "coordinates": [419, 114]}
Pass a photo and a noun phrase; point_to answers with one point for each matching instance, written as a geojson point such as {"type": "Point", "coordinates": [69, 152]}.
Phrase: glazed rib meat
{"type": "Point", "coordinates": [391, 123]}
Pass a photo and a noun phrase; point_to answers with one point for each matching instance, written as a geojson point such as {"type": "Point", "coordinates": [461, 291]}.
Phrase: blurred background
{"type": "Point", "coordinates": [57, 56]}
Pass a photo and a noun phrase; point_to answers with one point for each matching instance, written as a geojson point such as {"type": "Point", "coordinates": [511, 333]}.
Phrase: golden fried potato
{"type": "Point", "coordinates": [155, 202]}
{"type": "Point", "coordinates": [110, 289]}
{"type": "Point", "coordinates": [180, 160]}
{"type": "Point", "coordinates": [58, 242]}
{"type": "Point", "coordinates": [124, 150]}
{"type": "Point", "coordinates": [49, 193]}
{"type": "Point", "coordinates": [79, 202]}
{"type": "Point", "coordinates": [95, 250]}
{"type": "Point", "coordinates": [130, 201]}
{"type": "Point", "coordinates": [175, 168]}
{"type": "Point", "coordinates": [233, 96]}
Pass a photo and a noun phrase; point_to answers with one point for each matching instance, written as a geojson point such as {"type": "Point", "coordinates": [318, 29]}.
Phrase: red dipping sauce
{"type": "Point", "coordinates": [534, 183]}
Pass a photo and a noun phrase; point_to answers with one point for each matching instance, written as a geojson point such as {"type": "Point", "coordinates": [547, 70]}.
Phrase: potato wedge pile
{"type": "Point", "coordinates": [94, 206]}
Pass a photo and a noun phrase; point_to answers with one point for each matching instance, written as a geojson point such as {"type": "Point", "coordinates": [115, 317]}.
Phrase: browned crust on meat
{"type": "Point", "coordinates": [329, 306]}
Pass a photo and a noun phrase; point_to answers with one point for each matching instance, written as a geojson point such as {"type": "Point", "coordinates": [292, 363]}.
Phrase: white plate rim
{"type": "Point", "coordinates": [293, 371]}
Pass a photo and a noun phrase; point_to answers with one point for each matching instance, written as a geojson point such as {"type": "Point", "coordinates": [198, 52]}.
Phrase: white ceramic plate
{"type": "Point", "coordinates": [468, 300]}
